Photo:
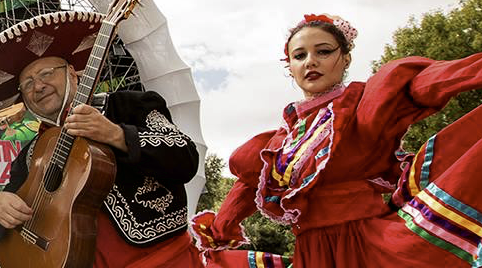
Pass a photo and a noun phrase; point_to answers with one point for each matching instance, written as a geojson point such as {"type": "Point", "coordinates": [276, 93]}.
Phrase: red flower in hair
{"type": "Point", "coordinates": [314, 17]}
{"type": "Point", "coordinates": [309, 18]}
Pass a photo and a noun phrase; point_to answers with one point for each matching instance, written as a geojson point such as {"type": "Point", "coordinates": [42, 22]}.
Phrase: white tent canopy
{"type": "Point", "coordinates": [146, 37]}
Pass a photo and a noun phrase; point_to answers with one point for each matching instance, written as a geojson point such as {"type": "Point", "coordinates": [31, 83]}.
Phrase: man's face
{"type": "Point", "coordinates": [42, 84]}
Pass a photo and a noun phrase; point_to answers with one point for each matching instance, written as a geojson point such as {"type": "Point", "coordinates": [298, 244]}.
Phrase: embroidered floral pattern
{"type": "Point", "coordinates": [142, 232]}
{"type": "Point", "coordinates": [159, 204]}
{"type": "Point", "coordinates": [4, 77]}
{"type": "Point", "coordinates": [86, 43]}
{"type": "Point", "coordinates": [162, 131]}
{"type": "Point", "coordinates": [39, 43]}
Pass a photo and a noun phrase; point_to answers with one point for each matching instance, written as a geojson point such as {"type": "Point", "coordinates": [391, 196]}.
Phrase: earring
{"type": "Point", "coordinates": [288, 73]}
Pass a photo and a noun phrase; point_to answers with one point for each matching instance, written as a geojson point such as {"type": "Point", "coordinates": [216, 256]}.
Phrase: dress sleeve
{"type": "Point", "coordinates": [407, 90]}
{"type": "Point", "coordinates": [223, 230]}
{"type": "Point", "coordinates": [155, 144]}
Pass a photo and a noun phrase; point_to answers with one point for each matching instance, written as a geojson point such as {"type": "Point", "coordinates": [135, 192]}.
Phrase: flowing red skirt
{"type": "Point", "coordinates": [113, 252]}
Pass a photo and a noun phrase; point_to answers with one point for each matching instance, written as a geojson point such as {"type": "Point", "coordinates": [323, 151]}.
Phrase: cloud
{"type": "Point", "coordinates": [234, 49]}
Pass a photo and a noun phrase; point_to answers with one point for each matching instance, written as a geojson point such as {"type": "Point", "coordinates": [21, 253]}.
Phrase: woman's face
{"type": "Point", "coordinates": [316, 60]}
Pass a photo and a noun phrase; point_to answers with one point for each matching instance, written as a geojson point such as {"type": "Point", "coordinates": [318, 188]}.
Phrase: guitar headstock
{"type": "Point", "coordinates": [120, 10]}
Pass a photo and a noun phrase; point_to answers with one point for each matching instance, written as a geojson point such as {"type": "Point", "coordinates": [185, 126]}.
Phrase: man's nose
{"type": "Point", "coordinates": [38, 84]}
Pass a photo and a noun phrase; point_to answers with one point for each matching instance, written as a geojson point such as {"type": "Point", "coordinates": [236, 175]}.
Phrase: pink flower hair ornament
{"type": "Point", "coordinates": [344, 26]}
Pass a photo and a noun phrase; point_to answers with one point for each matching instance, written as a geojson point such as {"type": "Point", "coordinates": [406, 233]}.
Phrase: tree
{"type": "Point", "coordinates": [268, 236]}
{"type": "Point", "coordinates": [440, 37]}
{"type": "Point", "coordinates": [216, 187]}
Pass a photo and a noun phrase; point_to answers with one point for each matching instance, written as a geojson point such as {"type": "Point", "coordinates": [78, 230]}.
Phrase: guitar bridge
{"type": "Point", "coordinates": [32, 238]}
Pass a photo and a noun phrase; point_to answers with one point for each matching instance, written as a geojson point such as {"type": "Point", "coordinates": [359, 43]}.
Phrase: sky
{"type": "Point", "coordinates": [234, 49]}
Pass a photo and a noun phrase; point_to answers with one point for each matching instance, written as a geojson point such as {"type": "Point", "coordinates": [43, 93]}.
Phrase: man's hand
{"type": "Point", "coordinates": [88, 122]}
{"type": "Point", "coordinates": [13, 210]}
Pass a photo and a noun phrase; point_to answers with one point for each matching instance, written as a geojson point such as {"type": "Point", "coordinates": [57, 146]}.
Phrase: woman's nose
{"type": "Point", "coordinates": [311, 61]}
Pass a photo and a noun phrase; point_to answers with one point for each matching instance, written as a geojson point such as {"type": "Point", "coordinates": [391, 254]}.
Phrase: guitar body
{"type": "Point", "coordinates": [62, 232]}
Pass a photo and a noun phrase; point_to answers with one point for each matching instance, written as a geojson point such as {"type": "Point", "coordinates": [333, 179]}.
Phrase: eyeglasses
{"type": "Point", "coordinates": [43, 75]}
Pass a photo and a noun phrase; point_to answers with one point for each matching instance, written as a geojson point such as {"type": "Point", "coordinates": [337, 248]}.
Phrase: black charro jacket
{"type": "Point", "coordinates": [148, 202]}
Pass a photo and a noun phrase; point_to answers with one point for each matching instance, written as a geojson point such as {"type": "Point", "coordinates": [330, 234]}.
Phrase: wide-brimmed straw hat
{"type": "Point", "coordinates": [67, 34]}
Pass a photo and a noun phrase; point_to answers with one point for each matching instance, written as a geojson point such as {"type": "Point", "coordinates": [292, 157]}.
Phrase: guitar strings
{"type": "Point", "coordinates": [40, 199]}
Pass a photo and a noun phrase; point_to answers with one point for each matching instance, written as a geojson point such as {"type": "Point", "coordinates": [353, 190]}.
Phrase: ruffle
{"type": "Point", "coordinates": [201, 229]}
{"type": "Point", "coordinates": [290, 215]}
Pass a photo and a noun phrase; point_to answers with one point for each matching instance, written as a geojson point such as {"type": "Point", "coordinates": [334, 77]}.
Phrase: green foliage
{"type": "Point", "coordinates": [439, 36]}
{"type": "Point", "coordinates": [216, 187]}
{"type": "Point", "coordinates": [264, 234]}
{"type": "Point", "coordinates": [268, 236]}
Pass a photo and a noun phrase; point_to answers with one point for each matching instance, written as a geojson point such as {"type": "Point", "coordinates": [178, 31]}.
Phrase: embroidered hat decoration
{"type": "Point", "coordinates": [344, 26]}
{"type": "Point", "coordinates": [66, 34]}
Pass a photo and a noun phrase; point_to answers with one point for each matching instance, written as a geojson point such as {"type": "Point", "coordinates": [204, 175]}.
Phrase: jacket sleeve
{"type": "Point", "coordinates": [223, 230]}
{"type": "Point", "coordinates": [18, 175]}
{"type": "Point", "coordinates": [155, 144]}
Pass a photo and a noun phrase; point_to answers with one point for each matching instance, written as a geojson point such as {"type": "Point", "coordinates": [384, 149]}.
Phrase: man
{"type": "Point", "coordinates": [144, 218]}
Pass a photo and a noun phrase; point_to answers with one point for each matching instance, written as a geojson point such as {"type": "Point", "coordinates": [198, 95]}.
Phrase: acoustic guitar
{"type": "Point", "coordinates": [68, 180]}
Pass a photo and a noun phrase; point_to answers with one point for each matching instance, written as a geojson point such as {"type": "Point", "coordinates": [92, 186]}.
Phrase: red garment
{"type": "Point", "coordinates": [328, 170]}
{"type": "Point", "coordinates": [112, 251]}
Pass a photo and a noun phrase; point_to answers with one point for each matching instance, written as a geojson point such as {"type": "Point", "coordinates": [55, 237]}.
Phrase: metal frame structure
{"type": "Point", "coordinates": [120, 71]}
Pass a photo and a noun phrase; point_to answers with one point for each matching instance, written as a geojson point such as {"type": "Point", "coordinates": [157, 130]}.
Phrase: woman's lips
{"type": "Point", "coordinates": [312, 75]}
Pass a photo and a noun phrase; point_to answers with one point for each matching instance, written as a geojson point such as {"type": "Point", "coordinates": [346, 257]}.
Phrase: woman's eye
{"type": "Point", "coordinates": [325, 51]}
{"type": "Point", "coordinates": [299, 56]}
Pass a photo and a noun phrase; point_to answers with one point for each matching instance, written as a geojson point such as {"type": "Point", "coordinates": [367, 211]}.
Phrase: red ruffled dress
{"type": "Point", "coordinates": [330, 170]}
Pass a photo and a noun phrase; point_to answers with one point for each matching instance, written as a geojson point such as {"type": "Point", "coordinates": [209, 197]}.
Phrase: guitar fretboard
{"type": "Point", "coordinates": [85, 89]}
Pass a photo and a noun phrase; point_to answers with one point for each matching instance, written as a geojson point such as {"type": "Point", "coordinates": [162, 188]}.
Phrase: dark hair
{"type": "Point", "coordinates": [325, 26]}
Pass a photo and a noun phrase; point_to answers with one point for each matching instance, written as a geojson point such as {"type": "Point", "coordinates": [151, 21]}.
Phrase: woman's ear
{"type": "Point", "coordinates": [347, 58]}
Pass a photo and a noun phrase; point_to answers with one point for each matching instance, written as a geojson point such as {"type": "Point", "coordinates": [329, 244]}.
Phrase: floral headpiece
{"type": "Point", "coordinates": [344, 26]}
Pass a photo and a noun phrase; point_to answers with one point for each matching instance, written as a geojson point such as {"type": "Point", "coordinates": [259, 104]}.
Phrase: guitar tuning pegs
{"type": "Point", "coordinates": [111, 4]}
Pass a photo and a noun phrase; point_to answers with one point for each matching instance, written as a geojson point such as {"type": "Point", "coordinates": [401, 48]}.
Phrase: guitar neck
{"type": "Point", "coordinates": [91, 73]}
{"type": "Point", "coordinates": [86, 88]}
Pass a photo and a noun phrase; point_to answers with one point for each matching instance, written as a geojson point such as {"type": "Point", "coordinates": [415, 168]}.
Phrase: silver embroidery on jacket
{"type": "Point", "coordinates": [159, 204]}
{"type": "Point", "coordinates": [28, 159]}
{"type": "Point", "coordinates": [162, 131]}
{"type": "Point", "coordinates": [142, 232]}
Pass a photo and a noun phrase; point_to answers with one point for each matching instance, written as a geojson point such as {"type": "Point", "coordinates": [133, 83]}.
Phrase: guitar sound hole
{"type": "Point", "coordinates": [53, 178]}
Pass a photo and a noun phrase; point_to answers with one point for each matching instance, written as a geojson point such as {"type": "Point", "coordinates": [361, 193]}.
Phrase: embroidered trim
{"type": "Point", "coordinates": [4, 77]}
{"type": "Point", "coordinates": [433, 239]}
{"type": "Point", "coordinates": [290, 216]}
{"type": "Point", "coordinates": [39, 43]}
{"type": "Point", "coordinates": [425, 170]}
{"type": "Point", "coordinates": [31, 148]}
{"type": "Point", "coordinates": [198, 231]}
{"type": "Point", "coordinates": [446, 222]}
{"type": "Point", "coordinates": [34, 22]}
{"type": "Point", "coordinates": [383, 183]}
{"type": "Point", "coordinates": [287, 173]}
{"type": "Point", "coordinates": [142, 232]}
{"type": "Point", "coordinates": [160, 204]}
{"type": "Point", "coordinates": [162, 131]}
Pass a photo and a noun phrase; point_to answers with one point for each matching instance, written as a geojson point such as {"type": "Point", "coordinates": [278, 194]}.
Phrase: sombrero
{"type": "Point", "coordinates": [66, 34]}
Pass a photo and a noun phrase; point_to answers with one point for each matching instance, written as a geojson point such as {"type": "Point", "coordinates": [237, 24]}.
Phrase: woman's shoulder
{"type": "Point", "coordinates": [246, 158]}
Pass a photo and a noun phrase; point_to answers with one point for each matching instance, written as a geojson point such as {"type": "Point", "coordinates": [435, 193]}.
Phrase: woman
{"type": "Point", "coordinates": [330, 169]}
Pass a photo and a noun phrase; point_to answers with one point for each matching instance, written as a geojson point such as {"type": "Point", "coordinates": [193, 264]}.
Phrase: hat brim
{"type": "Point", "coordinates": [69, 35]}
